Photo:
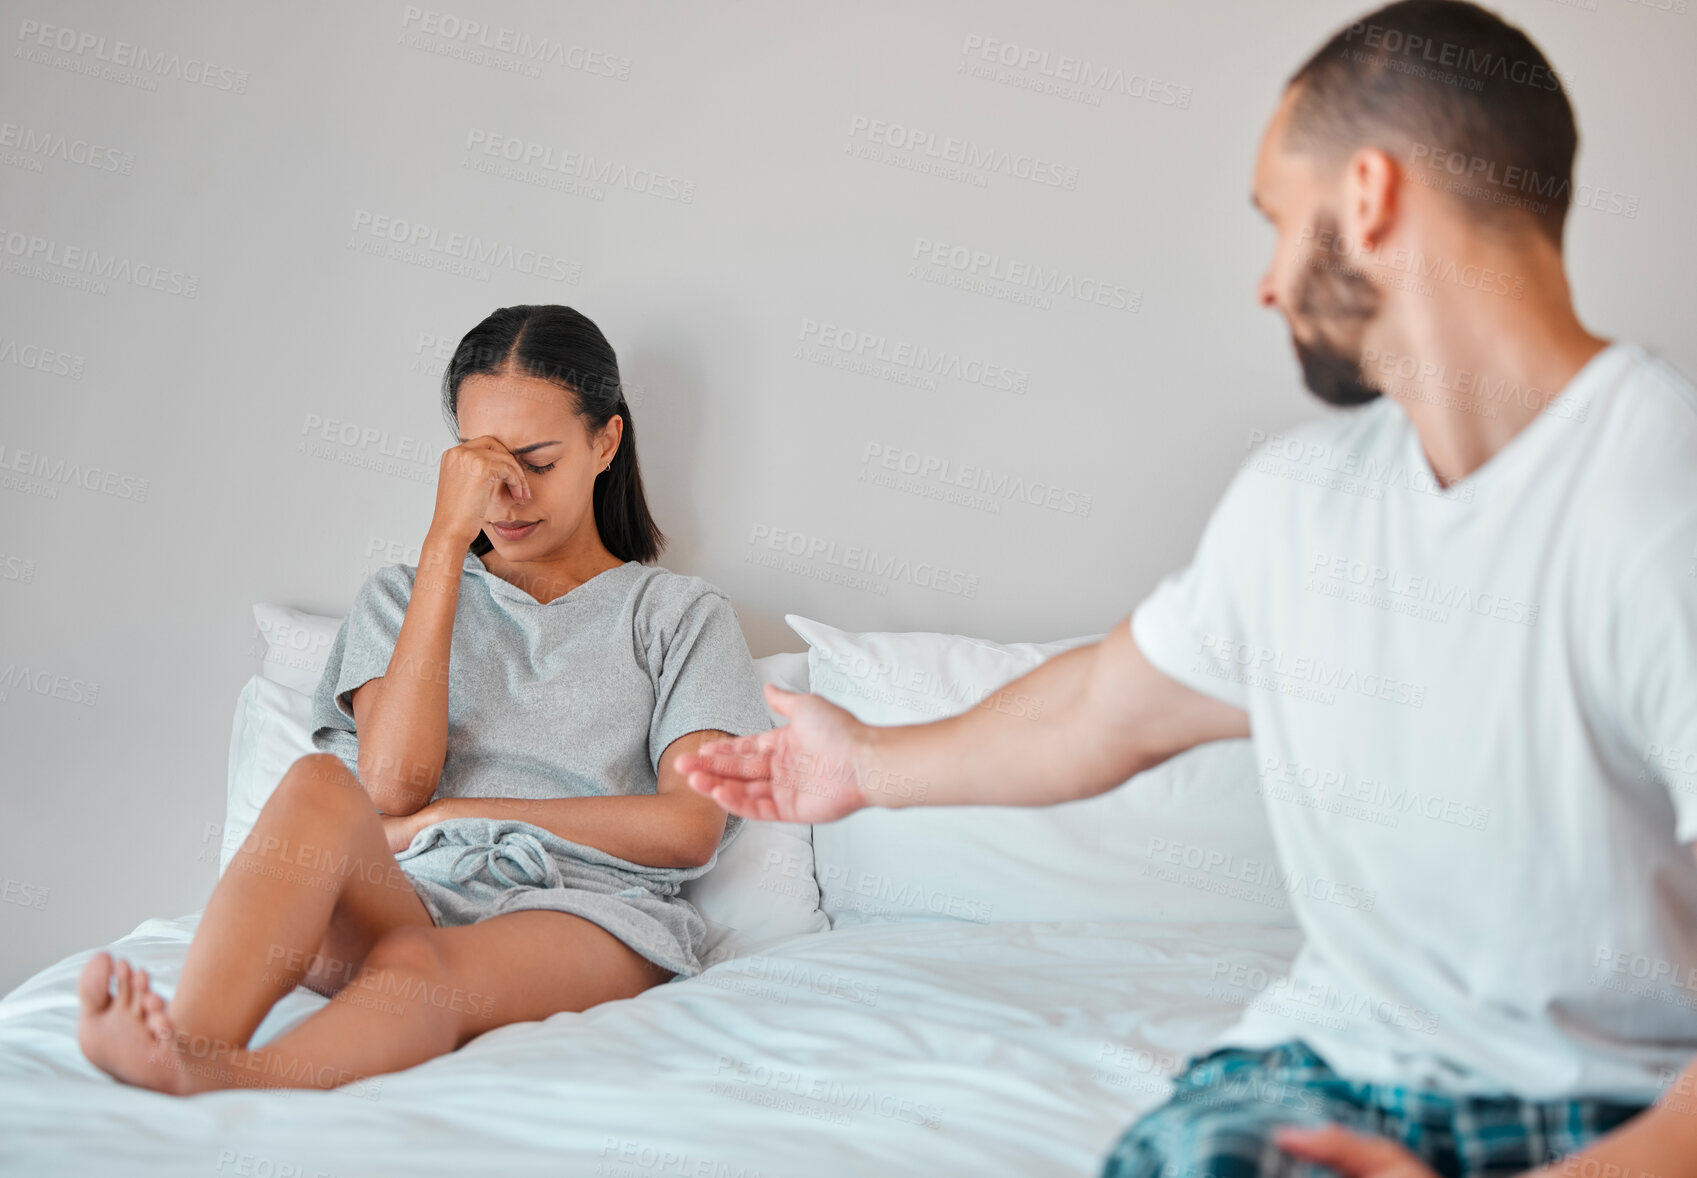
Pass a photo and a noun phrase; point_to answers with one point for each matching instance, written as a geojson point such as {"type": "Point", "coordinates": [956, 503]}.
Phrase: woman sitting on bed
{"type": "Point", "coordinates": [516, 835]}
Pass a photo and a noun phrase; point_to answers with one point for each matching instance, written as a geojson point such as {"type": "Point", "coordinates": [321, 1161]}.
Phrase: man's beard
{"type": "Point", "coordinates": [1334, 294]}
{"type": "Point", "coordinates": [1332, 376]}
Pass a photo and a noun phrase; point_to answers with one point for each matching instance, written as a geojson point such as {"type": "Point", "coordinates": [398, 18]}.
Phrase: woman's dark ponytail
{"type": "Point", "coordinates": [559, 345]}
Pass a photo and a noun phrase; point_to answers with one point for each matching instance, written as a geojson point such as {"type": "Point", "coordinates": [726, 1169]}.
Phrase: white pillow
{"type": "Point", "coordinates": [761, 890]}
{"type": "Point", "coordinates": [273, 729]}
{"type": "Point", "coordinates": [297, 645]}
{"type": "Point", "coordinates": [1187, 840]}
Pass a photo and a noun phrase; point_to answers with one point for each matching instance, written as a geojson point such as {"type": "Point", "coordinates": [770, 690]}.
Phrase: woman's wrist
{"type": "Point", "coordinates": [440, 563]}
{"type": "Point", "coordinates": [442, 552]}
{"type": "Point", "coordinates": [431, 813]}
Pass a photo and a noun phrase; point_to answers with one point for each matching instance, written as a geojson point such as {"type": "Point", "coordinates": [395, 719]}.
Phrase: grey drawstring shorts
{"type": "Point", "coordinates": [469, 869]}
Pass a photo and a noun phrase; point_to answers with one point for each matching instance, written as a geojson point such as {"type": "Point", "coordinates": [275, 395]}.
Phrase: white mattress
{"type": "Point", "coordinates": [935, 1048]}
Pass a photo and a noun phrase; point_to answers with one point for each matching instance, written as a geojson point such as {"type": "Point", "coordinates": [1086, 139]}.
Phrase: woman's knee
{"type": "Point", "coordinates": [339, 957]}
{"type": "Point", "coordinates": [411, 950]}
{"type": "Point", "coordinates": [318, 783]}
{"type": "Point", "coordinates": [429, 974]}
{"type": "Point", "coordinates": [408, 972]}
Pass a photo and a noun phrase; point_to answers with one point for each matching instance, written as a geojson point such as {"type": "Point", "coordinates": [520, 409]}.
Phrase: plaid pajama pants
{"type": "Point", "coordinates": [1225, 1106]}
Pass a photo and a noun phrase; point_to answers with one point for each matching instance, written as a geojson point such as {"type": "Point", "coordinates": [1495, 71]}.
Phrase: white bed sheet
{"type": "Point", "coordinates": [936, 1048]}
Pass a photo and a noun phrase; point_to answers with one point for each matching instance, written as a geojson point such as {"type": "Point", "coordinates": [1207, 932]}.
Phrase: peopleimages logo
{"type": "Point", "coordinates": [900, 361]}
{"type": "Point", "coordinates": [1371, 799]}
{"type": "Point", "coordinates": [1267, 881]}
{"type": "Point", "coordinates": [1461, 165]}
{"type": "Point", "coordinates": [816, 1096]}
{"type": "Point", "coordinates": [1420, 54]}
{"type": "Point", "coordinates": [985, 487]}
{"type": "Point", "coordinates": [1272, 991]}
{"type": "Point", "coordinates": [1062, 68]}
{"type": "Point", "coordinates": [967, 153]}
{"type": "Point", "coordinates": [1415, 263]}
{"type": "Point", "coordinates": [1366, 475]}
{"type": "Point", "coordinates": [1272, 667]}
{"type": "Point", "coordinates": [47, 360]}
{"type": "Point", "coordinates": [884, 894]}
{"type": "Point", "coordinates": [1480, 392]}
{"type": "Point", "coordinates": [529, 156]}
{"type": "Point", "coordinates": [49, 470]}
{"type": "Point", "coordinates": [51, 684]}
{"type": "Point", "coordinates": [474, 40]}
{"type": "Point", "coordinates": [1396, 587]}
{"type": "Point", "coordinates": [436, 248]}
{"type": "Point", "coordinates": [89, 48]}
{"type": "Point", "coordinates": [792, 550]}
{"type": "Point", "coordinates": [34, 144]}
{"type": "Point", "coordinates": [86, 267]}
{"type": "Point", "coordinates": [981, 266]}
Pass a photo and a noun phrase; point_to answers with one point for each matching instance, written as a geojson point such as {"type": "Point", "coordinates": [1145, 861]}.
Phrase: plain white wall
{"type": "Point", "coordinates": [721, 203]}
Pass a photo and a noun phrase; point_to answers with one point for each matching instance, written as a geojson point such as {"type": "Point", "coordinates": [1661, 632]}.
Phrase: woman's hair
{"type": "Point", "coordinates": [559, 345]}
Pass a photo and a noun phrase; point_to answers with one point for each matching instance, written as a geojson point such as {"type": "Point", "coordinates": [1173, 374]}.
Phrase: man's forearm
{"type": "Point", "coordinates": [1034, 741]}
{"type": "Point", "coordinates": [1077, 725]}
{"type": "Point", "coordinates": [1660, 1142]}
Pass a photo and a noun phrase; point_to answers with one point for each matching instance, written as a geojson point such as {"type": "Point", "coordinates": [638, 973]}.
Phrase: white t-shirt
{"type": "Point", "coordinates": [1475, 715]}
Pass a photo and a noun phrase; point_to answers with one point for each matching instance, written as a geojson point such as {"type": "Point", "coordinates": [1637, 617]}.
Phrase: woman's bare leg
{"type": "Point", "coordinates": [314, 886]}
{"type": "Point", "coordinates": [424, 992]}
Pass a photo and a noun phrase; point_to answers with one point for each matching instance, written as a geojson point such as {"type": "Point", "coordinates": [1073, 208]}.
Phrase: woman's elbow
{"type": "Point", "coordinates": [701, 842]}
{"type": "Point", "coordinates": [394, 789]}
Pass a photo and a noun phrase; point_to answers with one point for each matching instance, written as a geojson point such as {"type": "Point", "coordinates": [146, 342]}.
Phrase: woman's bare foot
{"type": "Point", "coordinates": [129, 1036]}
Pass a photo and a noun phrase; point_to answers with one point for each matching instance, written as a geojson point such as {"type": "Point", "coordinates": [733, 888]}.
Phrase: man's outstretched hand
{"type": "Point", "coordinates": [807, 771]}
{"type": "Point", "coordinates": [1350, 1154]}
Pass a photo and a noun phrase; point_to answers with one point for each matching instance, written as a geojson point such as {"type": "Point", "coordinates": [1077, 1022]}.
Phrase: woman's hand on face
{"type": "Point", "coordinates": [806, 771]}
{"type": "Point", "coordinates": [470, 478]}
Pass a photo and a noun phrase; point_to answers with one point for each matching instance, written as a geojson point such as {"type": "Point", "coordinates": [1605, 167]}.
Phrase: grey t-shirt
{"type": "Point", "coordinates": [578, 697]}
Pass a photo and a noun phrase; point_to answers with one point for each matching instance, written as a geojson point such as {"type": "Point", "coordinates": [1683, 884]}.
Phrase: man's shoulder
{"type": "Point", "coordinates": [1658, 369]}
{"type": "Point", "coordinates": [1659, 397]}
{"type": "Point", "coordinates": [1643, 467]}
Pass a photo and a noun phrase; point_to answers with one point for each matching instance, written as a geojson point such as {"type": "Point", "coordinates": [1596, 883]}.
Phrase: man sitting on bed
{"type": "Point", "coordinates": [1476, 588]}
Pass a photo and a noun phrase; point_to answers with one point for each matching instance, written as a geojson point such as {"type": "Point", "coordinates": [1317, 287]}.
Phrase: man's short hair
{"type": "Point", "coordinates": [1463, 99]}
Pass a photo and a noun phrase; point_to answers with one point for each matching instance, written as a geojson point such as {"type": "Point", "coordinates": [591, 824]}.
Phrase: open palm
{"type": "Point", "coordinates": [806, 771]}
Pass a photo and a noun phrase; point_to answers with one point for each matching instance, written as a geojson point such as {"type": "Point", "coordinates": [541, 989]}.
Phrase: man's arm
{"type": "Point", "coordinates": [1103, 713]}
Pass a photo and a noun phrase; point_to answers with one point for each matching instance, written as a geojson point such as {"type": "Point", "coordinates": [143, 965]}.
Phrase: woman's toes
{"type": "Point", "coordinates": [94, 987]}
{"type": "Point", "coordinates": [128, 1036]}
{"type": "Point", "coordinates": [153, 1011]}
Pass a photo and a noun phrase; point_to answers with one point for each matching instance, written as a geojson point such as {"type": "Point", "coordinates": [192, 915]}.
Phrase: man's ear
{"type": "Point", "coordinates": [1371, 181]}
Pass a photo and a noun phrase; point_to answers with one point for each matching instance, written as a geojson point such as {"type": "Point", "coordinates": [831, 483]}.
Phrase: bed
{"type": "Point", "coordinates": [912, 1036]}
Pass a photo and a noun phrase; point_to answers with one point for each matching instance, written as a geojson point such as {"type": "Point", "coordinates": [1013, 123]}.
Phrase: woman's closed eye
{"type": "Point", "coordinates": [540, 469]}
